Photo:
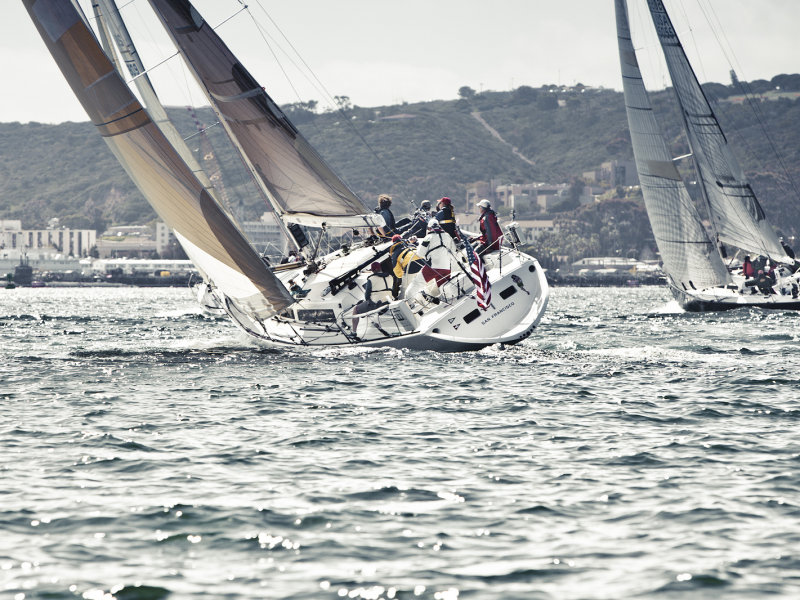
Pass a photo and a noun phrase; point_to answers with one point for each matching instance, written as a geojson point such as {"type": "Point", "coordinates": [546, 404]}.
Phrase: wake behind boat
{"type": "Point", "coordinates": [697, 274]}
{"type": "Point", "coordinates": [497, 298]}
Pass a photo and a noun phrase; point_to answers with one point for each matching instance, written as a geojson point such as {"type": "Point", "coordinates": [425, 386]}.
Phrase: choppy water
{"type": "Point", "coordinates": [624, 451]}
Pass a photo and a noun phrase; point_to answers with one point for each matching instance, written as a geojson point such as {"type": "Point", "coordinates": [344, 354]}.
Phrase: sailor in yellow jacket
{"type": "Point", "coordinates": [405, 263]}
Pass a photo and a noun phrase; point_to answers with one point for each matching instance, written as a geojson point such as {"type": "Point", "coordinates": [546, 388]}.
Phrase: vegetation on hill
{"type": "Point", "coordinates": [424, 151]}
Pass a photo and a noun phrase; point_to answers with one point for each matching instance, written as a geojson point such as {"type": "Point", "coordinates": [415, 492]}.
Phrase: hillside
{"type": "Point", "coordinates": [413, 151]}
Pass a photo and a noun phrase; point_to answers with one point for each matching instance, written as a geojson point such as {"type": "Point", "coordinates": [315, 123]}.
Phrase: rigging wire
{"type": "Point", "coordinates": [702, 179]}
{"type": "Point", "coordinates": [320, 87]}
{"type": "Point", "coordinates": [748, 94]}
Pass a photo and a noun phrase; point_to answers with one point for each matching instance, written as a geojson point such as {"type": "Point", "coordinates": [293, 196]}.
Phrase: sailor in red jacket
{"type": "Point", "coordinates": [491, 234]}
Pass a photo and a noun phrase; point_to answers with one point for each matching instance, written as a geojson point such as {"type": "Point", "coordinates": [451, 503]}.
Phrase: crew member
{"type": "Point", "coordinates": [439, 252]}
{"type": "Point", "coordinates": [377, 292]}
{"type": "Point", "coordinates": [419, 221]}
{"type": "Point", "coordinates": [389, 228]}
{"type": "Point", "coordinates": [764, 282]}
{"type": "Point", "coordinates": [405, 263]}
{"type": "Point", "coordinates": [446, 216]}
{"type": "Point", "coordinates": [491, 234]}
{"type": "Point", "coordinates": [747, 268]}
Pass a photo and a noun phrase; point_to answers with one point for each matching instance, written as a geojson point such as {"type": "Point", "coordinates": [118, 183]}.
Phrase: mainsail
{"type": "Point", "coordinates": [690, 258]}
{"type": "Point", "coordinates": [210, 238]}
{"type": "Point", "coordinates": [736, 213]}
{"type": "Point", "coordinates": [298, 182]}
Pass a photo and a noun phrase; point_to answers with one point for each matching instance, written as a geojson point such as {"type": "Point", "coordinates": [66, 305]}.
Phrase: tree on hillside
{"type": "Point", "coordinates": [760, 86]}
{"type": "Point", "coordinates": [343, 102]}
{"type": "Point", "coordinates": [524, 94]}
{"type": "Point", "coordinates": [466, 92]}
{"type": "Point", "coordinates": [715, 91]}
{"type": "Point", "coordinates": [787, 83]}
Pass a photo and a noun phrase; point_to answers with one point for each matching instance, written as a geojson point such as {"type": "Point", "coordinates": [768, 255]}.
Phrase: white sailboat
{"type": "Point", "coordinates": [310, 303]}
{"type": "Point", "coordinates": [697, 274]}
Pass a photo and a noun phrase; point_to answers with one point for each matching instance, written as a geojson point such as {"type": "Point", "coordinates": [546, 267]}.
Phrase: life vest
{"type": "Point", "coordinates": [404, 260]}
{"type": "Point", "coordinates": [447, 219]}
{"type": "Point", "coordinates": [380, 286]}
{"type": "Point", "coordinates": [439, 250]}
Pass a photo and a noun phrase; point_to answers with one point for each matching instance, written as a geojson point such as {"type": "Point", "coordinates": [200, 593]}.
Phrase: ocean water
{"type": "Point", "coordinates": [626, 450]}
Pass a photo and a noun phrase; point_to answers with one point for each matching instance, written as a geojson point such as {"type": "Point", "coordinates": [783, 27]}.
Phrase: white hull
{"type": "Point", "coordinates": [784, 295]}
{"type": "Point", "coordinates": [322, 317]}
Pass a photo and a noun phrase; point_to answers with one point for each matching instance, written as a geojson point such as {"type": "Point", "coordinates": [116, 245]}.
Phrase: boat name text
{"type": "Point", "coordinates": [494, 314]}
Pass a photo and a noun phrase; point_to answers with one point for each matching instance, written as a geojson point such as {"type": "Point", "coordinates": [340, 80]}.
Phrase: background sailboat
{"type": "Point", "coordinates": [692, 256]}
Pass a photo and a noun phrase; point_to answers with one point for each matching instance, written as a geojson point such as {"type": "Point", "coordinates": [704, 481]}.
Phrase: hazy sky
{"type": "Point", "coordinates": [379, 52]}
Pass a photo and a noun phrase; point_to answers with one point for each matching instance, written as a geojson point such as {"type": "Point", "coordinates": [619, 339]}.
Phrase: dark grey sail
{"type": "Point", "coordinates": [690, 258]}
{"type": "Point", "coordinates": [735, 211]}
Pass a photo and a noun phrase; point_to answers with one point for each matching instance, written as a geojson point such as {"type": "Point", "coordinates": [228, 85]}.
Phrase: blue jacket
{"type": "Point", "coordinates": [389, 229]}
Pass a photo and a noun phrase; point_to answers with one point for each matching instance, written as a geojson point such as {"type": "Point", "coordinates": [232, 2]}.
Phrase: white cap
{"type": "Point", "coordinates": [433, 224]}
{"type": "Point", "coordinates": [484, 203]}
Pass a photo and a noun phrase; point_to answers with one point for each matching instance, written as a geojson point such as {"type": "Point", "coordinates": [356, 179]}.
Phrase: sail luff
{"type": "Point", "coordinates": [105, 36]}
{"type": "Point", "coordinates": [109, 17]}
{"type": "Point", "coordinates": [690, 259]}
{"type": "Point", "coordinates": [151, 162]}
{"type": "Point", "coordinates": [291, 173]}
{"type": "Point", "coordinates": [737, 214]}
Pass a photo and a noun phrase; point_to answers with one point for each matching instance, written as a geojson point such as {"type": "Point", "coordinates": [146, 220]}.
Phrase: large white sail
{"type": "Point", "coordinates": [735, 211]}
{"type": "Point", "coordinates": [690, 258]}
{"type": "Point", "coordinates": [211, 239]}
{"type": "Point", "coordinates": [301, 186]}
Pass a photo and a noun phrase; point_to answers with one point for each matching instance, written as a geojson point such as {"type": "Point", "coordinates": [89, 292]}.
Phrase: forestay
{"type": "Point", "coordinates": [690, 258]}
{"type": "Point", "coordinates": [298, 182]}
{"type": "Point", "coordinates": [737, 215]}
{"type": "Point", "coordinates": [211, 239]}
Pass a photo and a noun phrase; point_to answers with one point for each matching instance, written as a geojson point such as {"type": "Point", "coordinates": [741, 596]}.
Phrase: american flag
{"type": "Point", "coordinates": [483, 290]}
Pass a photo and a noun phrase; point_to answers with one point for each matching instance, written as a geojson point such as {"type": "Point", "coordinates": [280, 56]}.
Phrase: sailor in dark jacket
{"type": "Point", "coordinates": [389, 228]}
{"type": "Point", "coordinates": [446, 216]}
{"type": "Point", "coordinates": [419, 221]}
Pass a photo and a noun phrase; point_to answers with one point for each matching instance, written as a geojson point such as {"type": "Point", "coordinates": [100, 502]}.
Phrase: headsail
{"type": "Point", "coordinates": [109, 19]}
{"type": "Point", "coordinates": [212, 241]}
{"type": "Point", "coordinates": [298, 182]}
{"type": "Point", "coordinates": [690, 258]}
{"type": "Point", "coordinates": [736, 213]}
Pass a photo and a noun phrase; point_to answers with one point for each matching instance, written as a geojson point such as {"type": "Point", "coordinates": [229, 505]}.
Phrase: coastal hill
{"type": "Point", "coordinates": [426, 150]}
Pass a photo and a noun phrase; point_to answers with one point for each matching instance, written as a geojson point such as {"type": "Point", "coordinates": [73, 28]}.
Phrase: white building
{"type": "Point", "coordinates": [42, 243]}
{"type": "Point", "coordinates": [265, 234]}
{"type": "Point", "coordinates": [530, 230]}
